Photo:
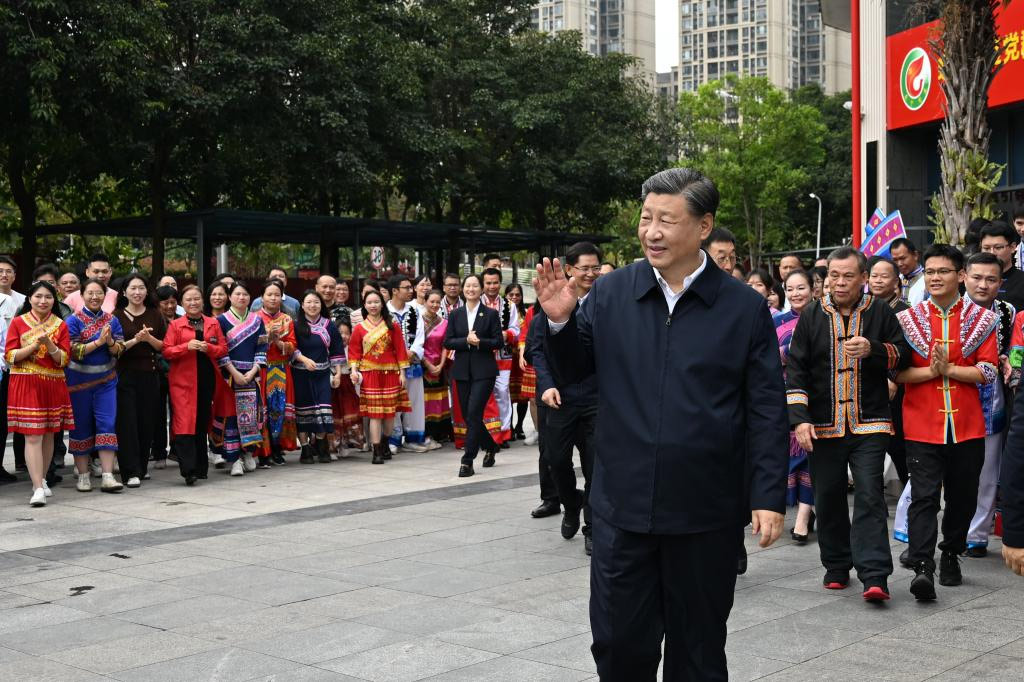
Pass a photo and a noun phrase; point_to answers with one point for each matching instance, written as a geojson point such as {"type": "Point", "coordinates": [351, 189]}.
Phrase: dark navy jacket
{"type": "Point", "coordinates": [692, 431]}
{"type": "Point", "coordinates": [573, 390]}
{"type": "Point", "coordinates": [1011, 477]}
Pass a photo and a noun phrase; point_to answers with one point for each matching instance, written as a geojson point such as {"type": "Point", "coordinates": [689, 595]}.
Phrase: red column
{"type": "Point", "coordinates": [858, 214]}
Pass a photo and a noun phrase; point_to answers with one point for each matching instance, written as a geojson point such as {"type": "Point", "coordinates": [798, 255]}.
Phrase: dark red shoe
{"type": "Point", "coordinates": [836, 580]}
{"type": "Point", "coordinates": [876, 593]}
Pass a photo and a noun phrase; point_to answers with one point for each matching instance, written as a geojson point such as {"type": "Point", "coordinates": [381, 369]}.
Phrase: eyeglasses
{"type": "Point", "coordinates": [994, 247]}
{"type": "Point", "coordinates": [943, 272]}
{"type": "Point", "coordinates": [723, 259]}
{"type": "Point", "coordinates": [592, 269]}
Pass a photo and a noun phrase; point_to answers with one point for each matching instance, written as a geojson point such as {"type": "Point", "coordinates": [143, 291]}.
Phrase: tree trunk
{"type": "Point", "coordinates": [158, 204]}
{"type": "Point", "coordinates": [26, 201]}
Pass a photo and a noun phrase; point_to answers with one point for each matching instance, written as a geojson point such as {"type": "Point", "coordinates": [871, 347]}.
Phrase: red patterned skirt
{"type": "Point", "coordinates": [492, 420]}
{"type": "Point", "coordinates": [37, 405]}
{"type": "Point", "coordinates": [345, 405]}
{"type": "Point", "coordinates": [381, 395]}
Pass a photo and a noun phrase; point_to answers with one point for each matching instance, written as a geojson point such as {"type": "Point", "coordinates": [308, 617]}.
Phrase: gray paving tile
{"type": "Point", "coordinates": [223, 665]}
{"type": "Point", "coordinates": [328, 561]}
{"type": "Point", "coordinates": [364, 602]}
{"type": "Point", "coordinates": [37, 616]}
{"type": "Point", "coordinates": [322, 643]}
{"type": "Point", "coordinates": [263, 622]}
{"type": "Point", "coordinates": [1014, 649]}
{"type": "Point", "coordinates": [855, 614]}
{"type": "Point", "coordinates": [573, 652]}
{"type": "Point", "coordinates": [389, 571]}
{"type": "Point", "coordinates": [430, 618]}
{"type": "Point", "coordinates": [10, 600]}
{"type": "Point", "coordinates": [480, 532]}
{"type": "Point", "coordinates": [508, 669]}
{"type": "Point", "coordinates": [887, 659]}
{"type": "Point", "coordinates": [127, 598]}
{"type": "Point", "coordinates": [72, 634]}
{"type": "Point", "coordinates": [469, 555]}
{"type": "Point", "coordinates": [306, 674]}
{"type": "Point", "coordinates": [1004, 603]}
{"type": "Point", "coordinates": [178, 568]}
{"type": "Point", "coordinates": [533, 565]}
{"type": "Point", "coordinates": [449, 582]}
{"type": "Point", "coordinates": [41, 670]}
{"type": "Point", "coordinates": [189, 611]}
{"type": "Point", "coordinates": [987, 668]}
{"type": "Point", "coordinates": [38, 572]}
{"type": "Point", "coordinates": [8, 656]}
{"type": "Point", "coordinates": [961, 630]}
{"type": "Point", "coordinates": [107, 657]}
{"type": "Point", "coordinates": [114, 560]}
{"type": "Point", "coordinates": [264, 585]}
{"type": "Point", "coordinates": [406, 547]}
{"type": "Point", "coordinates": [743, 668]}
{"type": "Point", "coordinates": [407, 661]}
{"type": "Point", "coordinates": [786, 639]}
{"type": "Point", "coordinates": [510, 632]}
{"type": "Point", "coordinates": [806, 672]}
{"type": "Point", "coordinates": [52, 590]}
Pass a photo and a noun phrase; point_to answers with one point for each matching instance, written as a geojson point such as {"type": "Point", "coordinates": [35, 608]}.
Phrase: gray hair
{"type": "Point", "coordinates": [699, 191]}
{"type": "Point", "coordinates": [844, 252]}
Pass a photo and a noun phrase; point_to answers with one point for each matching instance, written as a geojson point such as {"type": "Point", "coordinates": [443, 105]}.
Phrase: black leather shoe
{"type": "Point", "coordinates": [949, 570]}
{"type": "Point", "coordinates": [466, 470]}
{"type": "Point", "coordinates": [307, 455]}
{"type": "Point", "coordinates": [488, 460]}
{"type": "Point", "coordinates": [588, 545]}
{"type": "Point", "coordinates": [570, 523]}
{"type": "Point", "coordinates": [385, 450]}
{"type": "Point", "coordinates": [323, 455]}
{"type": "Point", "coordinates": [190, 480]}
{"type": "Point", "coordinates": [905, 561]}
{"type": "Point", "coordinates": [798, 538]}
{"type": "Point", "coordinates": [505, 446]}
{"type": "Point", "coordinates": [923, 584]}
{"type": "Point", "coordinates": [741, 561]}
{"type": "Point", "coordinates": [546, 508]}
{"type": "Point", "coordinates": [976, 552]}
{"type": "Point", "coordinates": [378, 455]}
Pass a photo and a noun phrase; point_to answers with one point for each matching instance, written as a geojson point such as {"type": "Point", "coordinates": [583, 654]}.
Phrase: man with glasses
{"type": "Point", "coordinates": [567, 410]}
{"type": "Point", "coordinates": [840, 357]}
{"type": "Point", "coordinates": [1000, 239]}
{"type": "Point", "coordinates": [413, 425]}
{"type": "Point", "coordinates": [98, 268]}
{"type": "Point", "coordinates": [954, 348]}
{"type": "Point", "coordinates": [452, 294]}
{"type": "Point", "coordinates": [721, 246]}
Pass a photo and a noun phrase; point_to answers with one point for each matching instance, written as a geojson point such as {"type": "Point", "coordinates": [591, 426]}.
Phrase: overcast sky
{"type": "Point", "coordinates": [666, 38]}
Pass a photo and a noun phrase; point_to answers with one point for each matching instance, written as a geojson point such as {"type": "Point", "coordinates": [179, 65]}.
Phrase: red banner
{"type": "Point", "coordinates": [912, 72]}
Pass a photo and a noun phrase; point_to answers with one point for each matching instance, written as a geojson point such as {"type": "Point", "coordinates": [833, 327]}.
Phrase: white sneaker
{"type": "Point", "coordinates": [46, 489]}
{"type": "Point", "coordinates": [219, 462]}
{"type": "Point", "coordinates": [248, 462]}
{"type": "Point", "coordinates": [237, 469]}
{"type": "Point", "coordinates": [110, 484]}
{"type": "Point", "coordinates": [133, 482]}
{"type": "Point", "coordinates": [38, 498]}
{"type": "Point", "coordinates": [84, 484]}
{"type": "Point", "coordinates": [415, 447]}
{"type": "Point", "coordinates": [334, 457]}
{"type": "Point", "coordinates": [531, 439]}
{"type": "Point", "coordinates": [394, 448]}
{"type": "Point", "coordinates": [96, 469]}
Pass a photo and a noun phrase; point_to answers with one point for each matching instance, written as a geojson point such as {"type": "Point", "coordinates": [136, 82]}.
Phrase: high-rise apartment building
{"type": "Point", "coordinates": [607, 26]}
{"type": "Point", "coordinates": [783, 40]}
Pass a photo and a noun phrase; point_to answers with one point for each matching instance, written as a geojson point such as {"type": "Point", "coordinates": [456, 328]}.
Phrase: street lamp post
{"type": "Point", "coordinates": [817, 248]}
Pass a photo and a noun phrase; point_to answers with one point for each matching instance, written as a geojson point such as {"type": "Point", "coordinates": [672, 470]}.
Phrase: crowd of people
{"type": "Point", "coordinates": [137, 373]}
{"type": "Point", "coordinates": [916, 357]}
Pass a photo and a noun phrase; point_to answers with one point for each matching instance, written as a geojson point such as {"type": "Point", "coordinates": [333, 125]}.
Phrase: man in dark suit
{"type": "Point", "coordinates": [474, 333]}
{"type": "Point", "coordinates": [568, 406]}
{"type": "Point", "coordinates": [691, 437]}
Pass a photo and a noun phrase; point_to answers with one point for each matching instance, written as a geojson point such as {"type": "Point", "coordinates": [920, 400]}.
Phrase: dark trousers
{"type": "Point", "coordinates": [571, 425]}
{"type": "Point", "coordinates": [955, 468]}
{"type": "Point", "coordinates": [897, 445]}
{"type": "Point", "coordinates": [648, 588]}
{"type": "Point", "coordinates": [548, 491]}
{"type": "Point", "coordinates": [19, 439]}
{"type": "Point", "coordinates": [191, 448]}
{"type": "Point", "coordinates": [473, 396]}
{"type": "Point", "coordinates": [158, 448]}
{"type": "Point", "coordinates": [137, 396]}
{"type": "Point", "coordinates": [865, 543]}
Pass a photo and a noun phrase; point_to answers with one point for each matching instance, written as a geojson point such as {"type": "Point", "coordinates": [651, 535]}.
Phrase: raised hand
{"type": "Point", "coordinates": [556, 293]}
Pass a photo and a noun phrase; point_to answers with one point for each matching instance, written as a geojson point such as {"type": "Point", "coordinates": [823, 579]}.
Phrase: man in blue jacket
{"type": "Point", "coordinates": [692, 435]}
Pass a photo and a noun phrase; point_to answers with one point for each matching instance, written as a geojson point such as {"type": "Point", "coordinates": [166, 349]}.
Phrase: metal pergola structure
{"type": "Point", "coordinates": [441, 244]}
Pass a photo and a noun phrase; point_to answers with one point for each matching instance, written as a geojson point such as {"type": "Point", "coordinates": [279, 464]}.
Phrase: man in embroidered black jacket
{"type": "Point", "coordinates": [841, 356]}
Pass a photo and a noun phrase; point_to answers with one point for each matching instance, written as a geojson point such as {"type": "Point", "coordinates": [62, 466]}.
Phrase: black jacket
{"type": "Point", "coordinates": [1011, 477]}
{"type": "Point", "coordinates": [579, 389]}
{"type": "Point", "coordinates": [1012, 289]}
{"type": "Point", "coordinates": [474, 362]}
{"type": "Point", "coordinates": [691, 406]}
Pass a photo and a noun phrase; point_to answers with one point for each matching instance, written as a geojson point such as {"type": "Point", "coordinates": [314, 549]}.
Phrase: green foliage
{"type": "Point", "coordinates": [757, 144]}
{"type": "Point", "coordinates": [979, 178]}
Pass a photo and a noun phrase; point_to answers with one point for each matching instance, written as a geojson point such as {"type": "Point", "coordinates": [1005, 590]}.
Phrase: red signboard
{"type": "Point", "coordinates": [912, 72]}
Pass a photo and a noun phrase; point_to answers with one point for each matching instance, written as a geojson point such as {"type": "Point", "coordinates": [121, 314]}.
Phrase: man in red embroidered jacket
{"type": "Point", "coordinates": [954, 348]}
{"type": "Point", "coordinates": [509, 316]}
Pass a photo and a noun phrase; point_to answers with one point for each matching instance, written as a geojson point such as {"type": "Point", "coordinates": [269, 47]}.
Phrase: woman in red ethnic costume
{"type": "Point", "coordinates": [377, 355]}
{"type": "Point", "coordinates": [528, 389]}
{"type": "Point", "coordinates": [280, 433]}
{"type": "Point", "coordinates": [38, 404]}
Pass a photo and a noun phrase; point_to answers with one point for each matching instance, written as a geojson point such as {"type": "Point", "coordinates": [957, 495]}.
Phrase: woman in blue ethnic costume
{"type": "Point", "coordinates": [239, 413]}
{"type": "Point", "coordinates": [799, 493]}
{"type": "Point", "coordinates": [96, 342]}
{"type": "Point", "coordinates": [316, 369]}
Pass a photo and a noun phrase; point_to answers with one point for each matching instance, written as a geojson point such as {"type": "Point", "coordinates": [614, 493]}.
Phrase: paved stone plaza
{"type": "Point", "coordinates": [402, 572]}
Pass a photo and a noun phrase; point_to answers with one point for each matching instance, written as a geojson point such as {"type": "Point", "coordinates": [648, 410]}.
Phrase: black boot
{"type": "Point", "coordinates": [385, 448]}
{"type": "Point", "coordinates": [378, 456]}
{"type": "Point", "coordinates": [322, 454]}
{"type": "Point", "coordinates": [923, 584]}
{"type": "Point", "coordinates": [949, 570]}
{"type": "Point", "coordinates": [307, 455]}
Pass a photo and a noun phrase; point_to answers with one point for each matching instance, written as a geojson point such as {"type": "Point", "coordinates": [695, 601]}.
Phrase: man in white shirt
{"type": "Point", "coordinates": [98, 269]}
{"type": "Point", "coordinates": [411, 424]}
{"type": "Point", "coordinates": [8, 272]}
{"type": "Point", "coordinates": [7, 313]}
{"type": "Point", "coordinates": [509, 316]}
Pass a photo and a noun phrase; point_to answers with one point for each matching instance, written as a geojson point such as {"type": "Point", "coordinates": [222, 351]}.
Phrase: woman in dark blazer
{"type": "Point", "coordinates": [475, 367]}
